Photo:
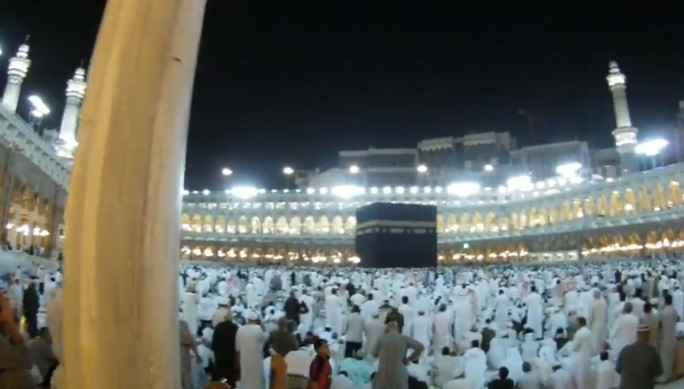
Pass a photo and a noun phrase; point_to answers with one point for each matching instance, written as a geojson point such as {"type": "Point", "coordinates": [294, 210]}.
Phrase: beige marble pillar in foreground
{"type": "Point", "coordinates": [122, 237]}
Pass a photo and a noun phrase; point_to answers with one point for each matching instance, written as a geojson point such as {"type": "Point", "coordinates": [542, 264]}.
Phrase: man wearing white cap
{"type": "Point", "coordinates": [221, 312]}
{"type": "Point", "coordinates": [250, 340]}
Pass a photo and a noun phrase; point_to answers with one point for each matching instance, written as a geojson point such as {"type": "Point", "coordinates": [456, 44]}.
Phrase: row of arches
{"type": "Point", "coordinates": [617, 203]}
{"type": "Point", "coordinates": [632, 245]}
{"type": "Point", "coordinates": [30, 218]}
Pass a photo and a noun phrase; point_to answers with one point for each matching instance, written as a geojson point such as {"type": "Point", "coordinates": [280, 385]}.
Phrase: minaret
{"type": "Point", "coordinates": [75, 92]}
{"type": "Point", "coordinates": [625, 135]}
{"type": "Point", "coordinates": [18, 68]}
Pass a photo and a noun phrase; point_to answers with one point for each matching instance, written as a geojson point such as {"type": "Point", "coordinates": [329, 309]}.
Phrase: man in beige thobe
{"type": "Point", "coordinates": [391, 353]}
{"type": "Point", "coordinates": [598, 318]}
{"type": "Point", "coordinates": [668, 339]}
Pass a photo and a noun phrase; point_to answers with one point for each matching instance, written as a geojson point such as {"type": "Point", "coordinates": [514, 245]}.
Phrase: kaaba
{"type": "Point", "coordinates": [396, 235]}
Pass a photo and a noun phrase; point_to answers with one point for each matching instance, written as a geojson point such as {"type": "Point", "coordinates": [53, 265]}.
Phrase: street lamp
{"type": "Point", "coordinates": [226, 172]}
{"type": "Point", "coordinates": [568, 169]}
{"type": "Point", "coordinates": [422, 168]}
{"type": "Point", "coordinates": [38, 111]}
{"type": "Point", "coordinates": [289, 172]}
{"type": "Point", "coordinates": [488, 167]}
{"type": "Point", "coordinates": [353, 169]}
{"type": "Point", "coordinates": [651, 148]}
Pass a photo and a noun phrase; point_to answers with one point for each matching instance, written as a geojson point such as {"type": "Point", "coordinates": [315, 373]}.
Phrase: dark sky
{"type": "Point", "coordinates": [292, 82]}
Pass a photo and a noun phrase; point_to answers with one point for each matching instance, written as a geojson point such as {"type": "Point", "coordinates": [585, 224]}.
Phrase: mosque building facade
{"type": "Point", "coordinates": [496, 201]}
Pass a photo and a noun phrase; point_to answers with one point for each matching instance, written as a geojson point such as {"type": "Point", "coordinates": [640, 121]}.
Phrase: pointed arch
{"type": "Point", "coordinates": [197, 223]}
{"type": "Point", "coordinates": [350, 225]}
{"type": "Point", "coordinates": [566, 212]}
{"type": "Point", "coordinates": [243, 225]}
{"type": "Point", "coordinates": [323, 226]}
{"type": "Point", "coordinates": [589, 206]}
{"type": "Point", "coordinates": [490, 222]}
{"type": "Point", "coordinates": [186, 222]}
{"type": "Point", "coordinates": [268, 226]}
{"type": "Point", "coordinates": [674, 195]}
{"type": "Point", "coordinates": [464, 222]}
{"type": "Point", "coordinates": [281, 226]}
{"type": "Point", "coordinates": [659, 201]}
{"type": "Point", "coordinates": [532, 217]}
{"type": "Point", "coordinates": [577, 210]}
{"type": "Point", "coordinates": [255, 225]}
{"type": "Point", "coordinates": [440, 223]}
{"type": "Point", "coordinates": [477, 222]}
{"type": "Point", "coordinates": [309, 226]}
{"type": "Point", "coordinates": [220, 225]}
{"type": "Point", "coordinates": [553, 215]}
{"type": "Point", "coordinates": [615, 204]}
{"type": "Point", "coordinates": [337, 225]}
{"type": "Point", "coordinates": [645, 200]}
{"type": "Point", "coordinates": [452, 223]}
{"type": "Point", "coordinates": [295, 226]}
{"type": "Point", "coordinates": [542, 217]}
{"type": "Point", "coordinates": [630, 201]}
{"type": "Point", "coordinates": [208, 224]}
{"type": "Point", "coordinates": [601, 206]}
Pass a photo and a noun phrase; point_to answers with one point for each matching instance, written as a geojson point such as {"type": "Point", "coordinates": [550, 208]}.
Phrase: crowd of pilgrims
{"type": "Point", "coordinates": [552, 326]}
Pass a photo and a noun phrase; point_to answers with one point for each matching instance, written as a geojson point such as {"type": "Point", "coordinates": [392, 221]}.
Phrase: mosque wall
{"type": "Point", "coordinates": [308, 225]}
{"type": "Point", "coordinates": [31, 201]}
{"type": "Point", "coordinates": [654, 239]}
{"type": "Point", "coordinates": [639, 214]}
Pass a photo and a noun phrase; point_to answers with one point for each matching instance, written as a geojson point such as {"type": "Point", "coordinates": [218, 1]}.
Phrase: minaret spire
{"type": "Point", "coordinates": [626, 136]}
{"type": "Point", "coordinates": [75, 92]}
{"type": "Point", "coordinates": [18, 69]}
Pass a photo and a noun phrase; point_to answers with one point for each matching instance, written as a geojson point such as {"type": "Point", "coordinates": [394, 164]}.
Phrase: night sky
{"type": "Point", "coordinates": [293, 82]}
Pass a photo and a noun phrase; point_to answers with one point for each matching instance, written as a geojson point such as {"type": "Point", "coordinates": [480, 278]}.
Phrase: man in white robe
{"type": "Point", "coordinates": [333, 312]}
{"type": "Point", "coordinates": [556, 320]}
{"type": "Point", "coordinates": [249, 343]}
{"type": "Point", "coordinates": [535, 313]}
{"type": "Point", "coordinates": [442, 329]}
{"type": "Point", "coordinates": [503, 303]}
{"type": "Point", "coordinates": [422, 329]}
{"type": "Point", "coordinates": [581, 355]}
{"type": "Point", "coordinates": [446, 367]}
{"type": "Point", "coordinates": [606, 376]}
{"type": "Point", "coordinates": [475, 362]}
{"type": "Point", "coordinates": [624, 330]}
{"type": "Point", "coordinates": [598, 316]}
{"type": "Point", "coordinates": [409, 313]}
{"type": "Point", "coordinates": [373, 330]}
{"type": "Point", "coordinates": [369, 307]}
{"type": "Point", "coordinates": [528, 379]}
{"type": "Point", "coordinates": [561, 378]}
{"type": "Point", "coordinates": [678, 302]}
{"type": "Point", "coordinates": [529, 347]}
{"type": "Point", "coordinates": [54, 320]}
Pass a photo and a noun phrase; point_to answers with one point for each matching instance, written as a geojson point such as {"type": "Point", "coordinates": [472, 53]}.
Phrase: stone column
{"type": "Point", "coordinates": [13, 233]}
{"type": "Point", "coordinates": [7, 191]}
{"type": "Point", "coordinates": [53, 218]}
{"type": "Point", "coordinates": [31, 223]}
{"type": "Point", "coordinates": [123, 213]}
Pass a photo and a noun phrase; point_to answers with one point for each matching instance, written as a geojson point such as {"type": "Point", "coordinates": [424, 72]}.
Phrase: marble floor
{"type": "Point", "coordinates": [679, 384]}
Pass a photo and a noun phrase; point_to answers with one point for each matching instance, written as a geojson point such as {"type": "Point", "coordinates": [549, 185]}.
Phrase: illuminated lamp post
{"type": "Point", "coordinates": [651, 149]}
